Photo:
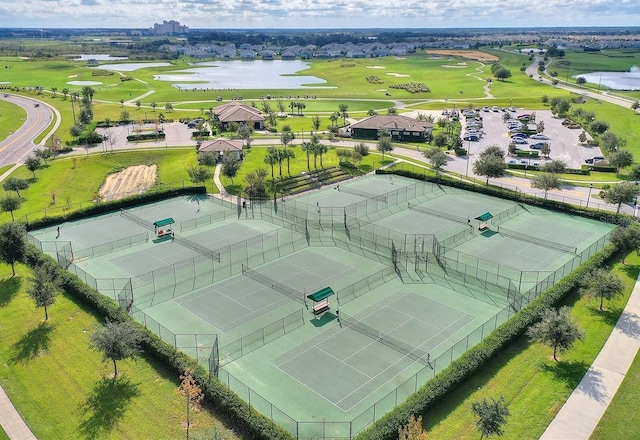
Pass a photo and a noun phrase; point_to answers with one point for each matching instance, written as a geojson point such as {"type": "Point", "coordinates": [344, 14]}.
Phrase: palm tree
{"type": "Point", "coordinates": [315, 123]}
{"type": "Point", "coordinates": [65, 92]}
{"type": "Point", "coordinates": [322, 149]}
{"type": "Point", "coordinates": [54, 90]}
{"type": "Point", "coordinates": [343, 111]}
{"type": "Point", "coordinates": [88, 92]}
{"type": "Point", "coordinates": [168, 106]}
{"type": "Point", "coordinates": [154, 105]}
{"type": "Point", "coordinates": [333, 118]}
{"type": "Point", "coordinates": [288, 154]}
{"type": "Point", "coordinates": [306, 147]}
{"type": "Point", "coordinates": [271, 159]}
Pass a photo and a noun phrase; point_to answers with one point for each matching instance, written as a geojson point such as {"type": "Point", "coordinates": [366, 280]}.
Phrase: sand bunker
{"type": "Point", "coordinates": [130, 181]}
{"type": "Point", "coordinates": [449, 66]}
{"type": "Point", "coordinates": [376, 67]}
{"type": "Point", "coordinates": [398, 75]}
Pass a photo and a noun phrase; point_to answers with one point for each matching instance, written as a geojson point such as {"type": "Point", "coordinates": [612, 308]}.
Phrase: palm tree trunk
{"type": "Point", "coordinates": [115, 368]}
{"type": "Point", "coordinates": [308, 166]}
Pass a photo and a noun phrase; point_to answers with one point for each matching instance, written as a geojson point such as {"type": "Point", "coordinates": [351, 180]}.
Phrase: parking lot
{"type": "Point", "coordinates": [562, 140]}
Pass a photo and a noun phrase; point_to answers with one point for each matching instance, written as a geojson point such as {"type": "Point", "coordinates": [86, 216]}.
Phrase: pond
{"type": "Point", "coordinates": [615, 80]}
{"type": "Point", "coordinates": [238, 74]}
{"type": "Point", "coordinates": [95, 56]}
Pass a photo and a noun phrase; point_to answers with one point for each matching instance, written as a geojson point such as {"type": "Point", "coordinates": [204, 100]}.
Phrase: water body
{"type": "Point", "coordinates": [241, 75]}
{"type": "Point", "coordinates": [130, 67]}
{"type": "Point", "coordinates": [97, 56]}
{"type": "Point", "coordinates": [615, 80]}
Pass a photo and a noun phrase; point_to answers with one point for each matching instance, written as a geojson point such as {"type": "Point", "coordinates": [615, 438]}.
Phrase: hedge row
{"type": "Point", "coordinates": [235, 411]}
{"type": "Point", "coordinates": [606, 216]}
{"type": "Point", "coordinates": [474, 359]}
{"type": "Point", "coordinates": [104, 207]}
{"type": "Point", "coordinates": [146, 136]}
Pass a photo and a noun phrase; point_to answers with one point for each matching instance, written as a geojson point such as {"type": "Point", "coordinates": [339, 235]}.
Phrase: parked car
{"type": "Point", "coordinates": [519, 135]}
{"type": "Point", "coordinates": [37, 105]}
{"type": "Point", "coordinates": [514, 125]}
{"type": "Point", "coordinates": [594, 159]}
{"type": "Point", "coordinates": [495, 108]}
{"type": "Point", "coordinates": [519, 140]}
{"type": "Point", "coordinates": [512, 109]}
{"type": "Point", "coordinates": [537, 146]}
{"type": "Point", "coordinates": [539, 136]}
{"type": "Point", "coordinates": [485, 108]}
{"type": "Point", "coordinates": [523, 116]}
{"type": "Point", "coordinates": [471, 137]}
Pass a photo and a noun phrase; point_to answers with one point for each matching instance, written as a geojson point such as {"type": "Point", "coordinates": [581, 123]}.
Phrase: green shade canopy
{"type": "Point", "coordinates": [164, 222]}
{"type": "Point", "coordinates": [321, 294]}
{"type": "Point", "coordinates": [484, 217]}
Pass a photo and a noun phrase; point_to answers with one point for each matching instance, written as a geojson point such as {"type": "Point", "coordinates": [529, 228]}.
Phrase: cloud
{"type": "Point", "coordinates": [319, 13]}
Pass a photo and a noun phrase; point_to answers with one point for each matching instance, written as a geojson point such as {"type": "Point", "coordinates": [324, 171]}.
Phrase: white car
{"type": "Point", "coordinates": [539, 136]}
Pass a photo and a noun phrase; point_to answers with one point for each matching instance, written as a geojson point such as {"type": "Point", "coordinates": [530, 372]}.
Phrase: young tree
{"type": "Point", "coordinates": [245, 132]}
{"type": "Point", "coordinates": [546, 149]}
{"type": "Point", "coordinates": [546, 181]}
{"type": "Point", "coordinates": [413, 430]}
{"type": "Point", "coordinates": [556, 166]}
{"type": "Point", "coordinates": [602, 284]}
{"type": "Point", "coordinates": [493, 150]}
{"type": "Point", "coordinates": [611, 141]}
{"type": "Point", "coordinates": [9, 204]}
{"type": "Point", "coordinates": [192, 394]}
{"type": "Point", "coordinates": [13, 244]}
{"type": "Point", "coordinates": [315, 123]}
{"type": "Point", "coordinates": [556, 329]}
{"type": "Point", "coordinates": [437, 157]}
{"type": "Point", "coordinates": [490, 166]}
{"type": "Point", "coordinates": [116, 341]}
{"type": "Point", "coordinates": [620, 193]}
{"type": "Point", "coordinates": [598, 127]}
{"type": "Point", "coordinates": [635, 105]}
{"type": "Point", "coordinates": [255, 184]}
{"type": "Point", "coordinates": [491, 416]}
{"type": "Point", "coordinates": [44, 154]}
{"type": "Point", "coordinates": [343, 112]}
{"type": "Point", "coordinates": [199, 174]}
{"type": "Point", "coordinates": [32, 164]}
{"type": "Point", "coordinates": [207, 158]}
{"type": "Point", "coordinates": [582, 137]}
{"type": "Point", "coordinates": [626, 239]}
{"type": "Point", "coordinates": [230, 165]}
{"type": "Point", "coordinates": [45, 286]}
{"type": "Point", "coordinates": [125, 117]}
{"type": "Point", "coordinates": [384, 143]}
{"type": "Point", "coordinates": [15, 184]}
{"type": "Point", "coordinates": [286, 137]}
{"type": "Point", "coordinates": [634, 173]}
{"type": "Point", "coordinates": [362, 149]}
{"type": "Point", "coordinates": [621, 159]}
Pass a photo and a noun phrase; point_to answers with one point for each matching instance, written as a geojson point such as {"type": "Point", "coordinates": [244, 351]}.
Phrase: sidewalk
{"type": "Point", "coordinates": [581, 413]}
{"type": "Point", "coordinates": [11, 421]}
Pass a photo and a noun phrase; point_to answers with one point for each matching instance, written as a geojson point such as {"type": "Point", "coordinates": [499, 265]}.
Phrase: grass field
{"type": "Point", "coordinates": [534, 386]}
{"type": "Point", "coordinates": [76, 180]}
{"type": "Point", "coordinates": [64, 390]}
{"type": "Point", "coordinates": [11, 118]}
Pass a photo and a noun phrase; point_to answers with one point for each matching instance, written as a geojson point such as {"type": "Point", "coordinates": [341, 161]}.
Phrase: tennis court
{"type": "Point", "coordinates": [332, 306]}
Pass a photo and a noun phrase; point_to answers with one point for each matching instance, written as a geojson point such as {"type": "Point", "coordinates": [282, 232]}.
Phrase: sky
{"type": "Point", "coordinates": [227, 14]}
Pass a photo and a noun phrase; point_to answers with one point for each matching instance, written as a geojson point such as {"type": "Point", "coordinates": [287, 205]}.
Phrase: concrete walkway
{"type": "Point", "coordinates": [11, 421]}
{"type": "Point", "coordinates": [581, 413]}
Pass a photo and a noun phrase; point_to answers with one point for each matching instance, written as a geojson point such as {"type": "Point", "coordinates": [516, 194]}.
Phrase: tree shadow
{"type": "Point", "coordinates": [578, 376]}
{"type": "Point", "coordinates": [106, 405]}
{"type": "Point", "coordinates": [608, 315]}
{"type": "Point", "coordinates": [33, 342]}
{"type": "Point", "coordinates": [631, 270]}
{"type": "Point", "coordinates": [568, 372]}
{"type": "Point", "coordinates": [9, 287]}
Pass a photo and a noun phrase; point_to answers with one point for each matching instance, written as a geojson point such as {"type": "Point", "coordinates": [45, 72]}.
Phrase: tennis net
{"type": "Point", "coordinates": [539, 241]}
{"type": "Point", "coordinates": [405, 349]}
{"type": "Point", "coordinates": [278, 287]}
{"type": "Point", "coordinates": [196, 247]}
{"type": "Point", "coordinates": [136, 219]}
{"type": "Point", "coordinates": [380, 198]}
{"type": "Point", "coordinates": [440, 214]}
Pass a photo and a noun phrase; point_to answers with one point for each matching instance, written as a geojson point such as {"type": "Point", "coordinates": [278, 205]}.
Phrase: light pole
{"type": "Point", "coordinates": [589, 196]}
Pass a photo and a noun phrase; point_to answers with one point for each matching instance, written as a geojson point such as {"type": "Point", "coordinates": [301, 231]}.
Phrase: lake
{"type": "Point", "coordinates": [240, 75]}
{"type": "Point", "coordinates": [615, 80]}
{"type": "Point", "coordinates": [97, 56]}
{"type": "Point", "coordinates": [130, 67]}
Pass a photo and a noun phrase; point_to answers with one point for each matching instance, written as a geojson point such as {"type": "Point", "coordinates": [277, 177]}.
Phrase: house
{"type": "Point", "coordinates": [240, 114]}
{"type": "Point", "coordinates": [288, 55]}
{"type": "Point", "coordinates": [221, 147]}
{"type": "Point", "coordinates": [401, 128]}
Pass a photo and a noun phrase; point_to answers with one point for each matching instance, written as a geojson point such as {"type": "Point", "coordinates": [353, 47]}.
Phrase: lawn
{"type": "Point", "coordinates": [534, 386]}
{"type": "Point", "coordinates": [64, 390]}
{"type": "Point", "coordinates": [75, 180]}
{"type": "Point", "coordinates": [11, 118]}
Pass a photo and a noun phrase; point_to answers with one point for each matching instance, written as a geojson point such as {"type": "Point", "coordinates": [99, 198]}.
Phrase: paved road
{"type": "Point", "coordinates": [16, 148]}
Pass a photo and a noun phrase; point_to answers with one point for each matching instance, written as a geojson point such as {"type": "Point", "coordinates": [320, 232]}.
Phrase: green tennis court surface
{"type": "Point", "coordinates": [407, 275]}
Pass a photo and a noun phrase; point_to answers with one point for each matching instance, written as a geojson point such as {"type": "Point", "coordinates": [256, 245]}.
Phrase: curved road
{"type": "Point", "coordinates": [15, 149]}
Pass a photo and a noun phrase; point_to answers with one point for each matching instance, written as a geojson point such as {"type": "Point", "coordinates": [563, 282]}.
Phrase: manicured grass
{"type": "Point", "coordinates": [618, 421]}
{"type": "Point", "coordinates": [63, 389]}
{"type": "Point", "coordinates": [534, 386]}
{"type": "Point", "coordinates": [75, 180]}
{"type": "Point", "coordinates": [254, 159]}
{"type": "Point", "coordinates": [11, 118]}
